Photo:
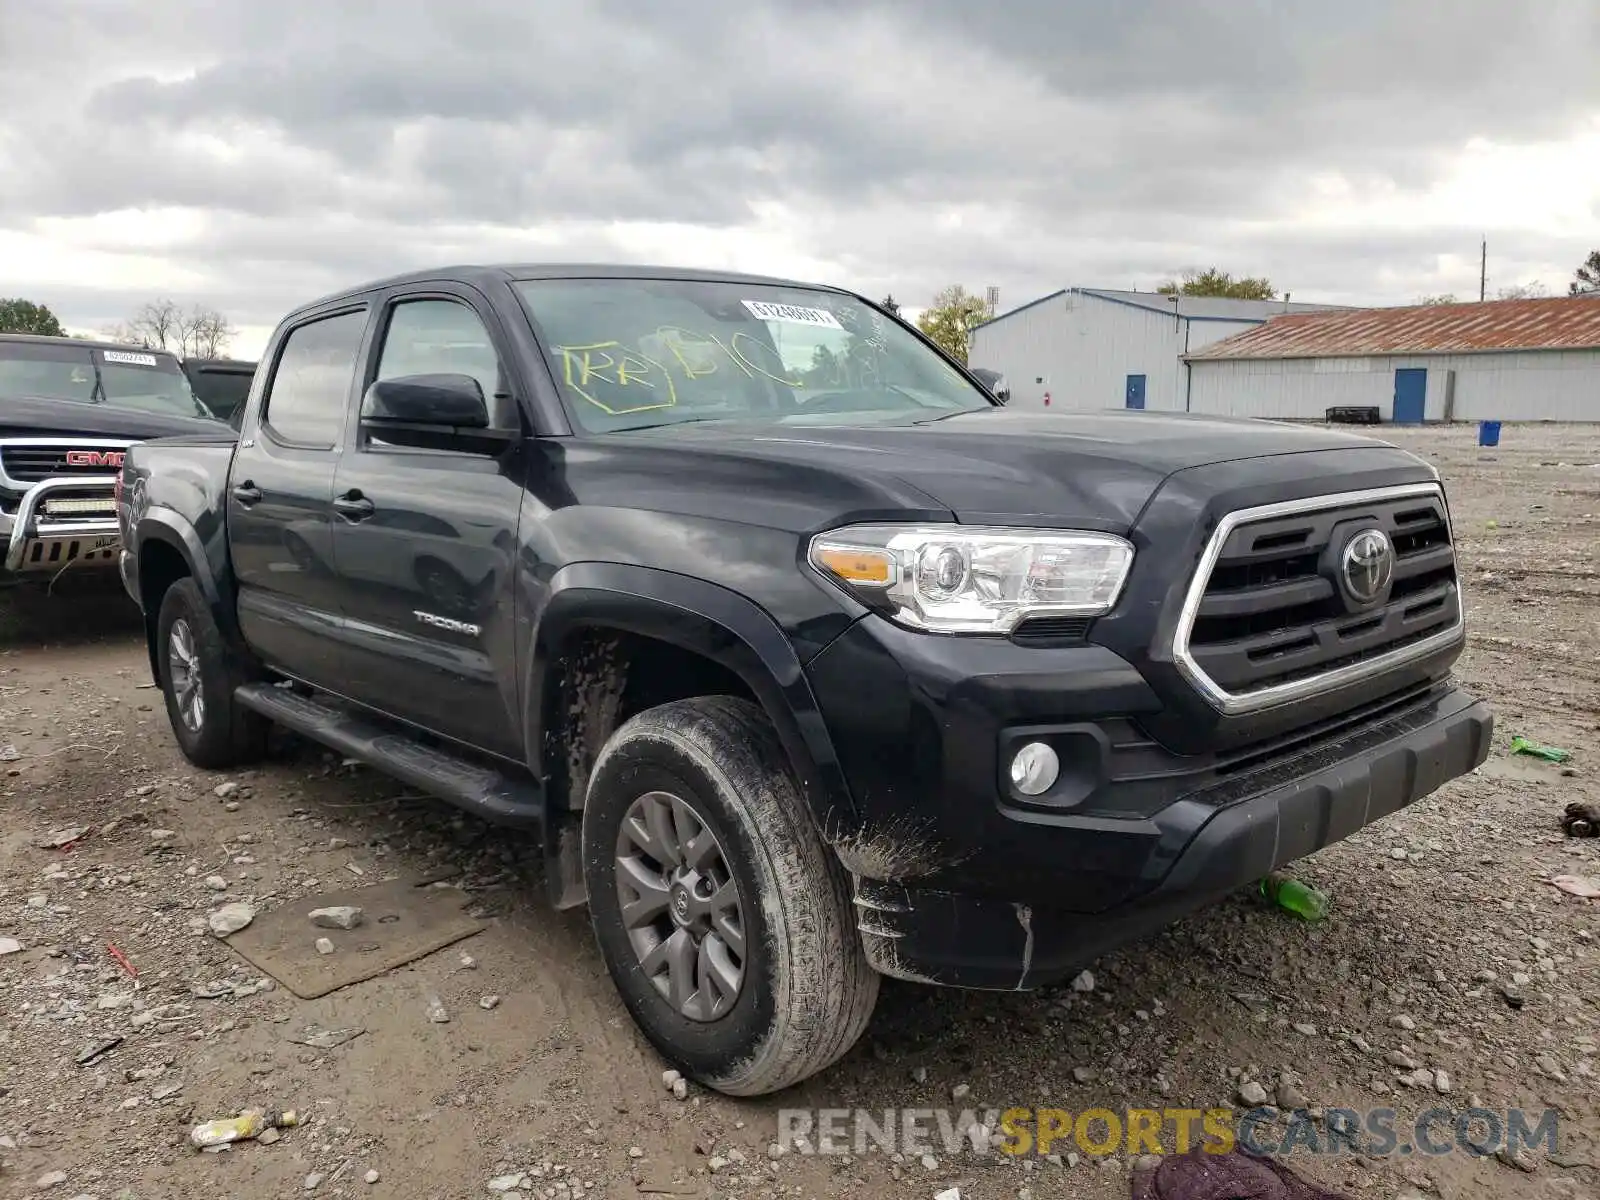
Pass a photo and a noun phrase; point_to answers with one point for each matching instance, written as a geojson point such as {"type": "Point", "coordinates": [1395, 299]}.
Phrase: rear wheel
{"type": "Point", "coordinates": [724, 919]}
{"type": "Point", "coordinates": [199, 674]}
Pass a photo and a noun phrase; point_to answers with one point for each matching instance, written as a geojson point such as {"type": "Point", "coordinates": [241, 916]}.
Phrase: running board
{"type": "Point", "coordinates": [487, 793]}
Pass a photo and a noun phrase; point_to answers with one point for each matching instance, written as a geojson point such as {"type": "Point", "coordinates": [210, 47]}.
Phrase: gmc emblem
{"type": "Point", "coordinates": [95, 458]}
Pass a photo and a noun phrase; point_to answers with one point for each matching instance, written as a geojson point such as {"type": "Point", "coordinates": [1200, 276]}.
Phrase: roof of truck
{"type": "Point", "coordinates": [220, 366]}
{"type": "Point", "coordinates": [39, 339]}
{"type": "Point", "coordinates": [475, 273]}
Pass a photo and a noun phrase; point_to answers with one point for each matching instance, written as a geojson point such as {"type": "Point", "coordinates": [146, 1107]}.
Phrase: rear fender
{"type": "Point", "coordinates": [208, 569]}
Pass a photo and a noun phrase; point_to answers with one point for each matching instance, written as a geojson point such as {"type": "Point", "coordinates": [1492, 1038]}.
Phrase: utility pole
{"type": "Point", "coordinates": [1483, 271]}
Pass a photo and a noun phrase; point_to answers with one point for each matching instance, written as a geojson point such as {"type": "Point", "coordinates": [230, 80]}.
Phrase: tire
{"type": "Point", "coordinates": [805, 992]}
{"type": "Point", "coordinates": [190, 646]}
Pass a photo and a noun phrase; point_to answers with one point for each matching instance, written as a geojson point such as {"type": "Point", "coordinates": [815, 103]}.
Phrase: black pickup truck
{"type": "Point", "coordinates": [69, 410]}
{"type": "Point", "coordinates": [807, 659]}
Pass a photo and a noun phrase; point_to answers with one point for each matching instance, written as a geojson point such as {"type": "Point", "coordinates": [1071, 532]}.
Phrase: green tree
{"type": "Point", "coordinates": [949, 322]}
{"type": "Point", "coordinates": [824, 369]}
{"type": "Point", "coordinates": [1214, 281]}
{"type": "Point", "coordinates": [24, 316]}
{"type": "Point", "coordinates": [1588, 276]}
{"type": "Point", "coordinates": [1441, 298]}
{"type": "Point", "coordinates": [891, 305]}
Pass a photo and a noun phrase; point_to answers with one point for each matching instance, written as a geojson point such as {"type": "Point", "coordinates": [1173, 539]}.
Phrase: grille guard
{"type": "Point", "coordinates": [22, 525]}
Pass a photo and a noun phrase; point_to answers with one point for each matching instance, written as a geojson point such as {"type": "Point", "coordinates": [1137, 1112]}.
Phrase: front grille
{"type": "Point", "coordinates": [29, 462]}
{"type": "Point", "coordinates": [1269, 619]}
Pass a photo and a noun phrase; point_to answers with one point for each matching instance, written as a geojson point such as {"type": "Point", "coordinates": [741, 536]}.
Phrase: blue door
{"type": "Point", "coordinates": [1135, 391]}
{"type": "Point", "coordinates": [1410, 395]}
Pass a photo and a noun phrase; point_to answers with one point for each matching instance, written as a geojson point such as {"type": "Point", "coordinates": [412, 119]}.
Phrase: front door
{"type": "Point", "coordinates": [279, 493]}
{"type": "Point", "coordinates": [1410, 395]}
{"type": "Point", "coordinates": [425, 542]}
{"type": "Point", "coordinates": [1135, 394]}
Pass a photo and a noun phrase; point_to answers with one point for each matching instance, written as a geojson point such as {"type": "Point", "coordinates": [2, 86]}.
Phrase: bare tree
{"type": "Point", "coordinates": [205, 333]}
{"type": "Point", "coordinates": [1533, 290]}
{"type": "Point", "coordinates": [161, 325]}
{"type": "Point", "coordinates": [157, 325]}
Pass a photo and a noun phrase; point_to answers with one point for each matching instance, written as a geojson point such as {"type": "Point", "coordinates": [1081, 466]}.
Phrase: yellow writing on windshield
{"type": "Point", "coordinates": [608, 362]}
{"type": "Point", "coordinates": [687, 354]}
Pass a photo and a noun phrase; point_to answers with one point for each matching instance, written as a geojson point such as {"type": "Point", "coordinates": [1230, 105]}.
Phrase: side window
{"type": "Point", "coordinates": [310, 389]}
{"type": "Point", "coordinates": [440, 337]}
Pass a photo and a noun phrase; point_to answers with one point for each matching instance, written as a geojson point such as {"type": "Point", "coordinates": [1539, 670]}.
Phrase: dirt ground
{"type": "Point", "coordinates": [1447, 950]}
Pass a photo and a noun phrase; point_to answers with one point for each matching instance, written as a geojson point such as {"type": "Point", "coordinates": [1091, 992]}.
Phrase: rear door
{"type": "Point", "coordinates": [280, 493]}
{"type": "Point", "coordinates": [425, 540]}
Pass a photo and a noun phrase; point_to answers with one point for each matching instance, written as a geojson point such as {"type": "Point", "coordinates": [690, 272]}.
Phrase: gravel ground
{"type": "Point", "coordinates": [1449, 973]}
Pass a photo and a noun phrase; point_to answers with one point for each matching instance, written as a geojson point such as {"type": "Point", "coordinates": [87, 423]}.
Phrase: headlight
{"type": "Point", "coordinates": [965, 579]}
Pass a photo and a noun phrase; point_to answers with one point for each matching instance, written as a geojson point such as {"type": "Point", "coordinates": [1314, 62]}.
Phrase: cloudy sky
{"type": "Point", "coordinates": [252, 156]}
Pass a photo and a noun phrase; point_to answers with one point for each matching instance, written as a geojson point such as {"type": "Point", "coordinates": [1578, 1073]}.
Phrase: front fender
{"type": "Point", "coordinates": [705, 619]}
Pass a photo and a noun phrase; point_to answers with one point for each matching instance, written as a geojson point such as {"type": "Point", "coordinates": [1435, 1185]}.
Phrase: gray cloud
{"type": "Point", "coordinates": [1084, 144]}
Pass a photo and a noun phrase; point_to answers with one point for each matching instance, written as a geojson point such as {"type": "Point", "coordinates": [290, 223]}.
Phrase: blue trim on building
{"type": "Point", "coordinates": [1023, 308]}
{"type": "Point", "coordinates": [1165, 312]}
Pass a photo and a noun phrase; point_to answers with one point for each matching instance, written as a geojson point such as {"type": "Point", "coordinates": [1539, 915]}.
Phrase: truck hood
{"type": "Point", "coordinates": [36, 416]}
{"type": "Point", "coordinates": [1088, 470]}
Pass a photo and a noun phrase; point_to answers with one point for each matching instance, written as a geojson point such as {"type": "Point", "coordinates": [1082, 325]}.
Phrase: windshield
{"type": "Point", "coordinates": [142, 380]}
{"type": "Point", "coordinates": [642, 353]}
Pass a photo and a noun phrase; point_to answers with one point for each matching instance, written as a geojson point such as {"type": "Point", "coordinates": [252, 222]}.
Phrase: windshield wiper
{"type": "Point", "coordinates": [959, 412]}
{"type": "Point", "coordinates": [670, 424]}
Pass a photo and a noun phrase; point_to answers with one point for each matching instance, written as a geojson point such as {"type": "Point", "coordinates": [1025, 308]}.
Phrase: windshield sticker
{"type": "Point", "coordinates": [793, 313]}
{"type": "Point", "coordinates": [131, 359]}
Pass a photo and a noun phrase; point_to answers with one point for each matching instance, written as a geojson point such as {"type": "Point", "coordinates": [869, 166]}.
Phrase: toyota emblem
{"type": "Point", "coordinates": [1367, 565]}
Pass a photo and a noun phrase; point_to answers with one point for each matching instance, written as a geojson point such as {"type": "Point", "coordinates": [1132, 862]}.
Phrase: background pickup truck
{"type": "Point", "coordinates": [69, 410]}
{"type": "Point", "coordinates": [808, 661]}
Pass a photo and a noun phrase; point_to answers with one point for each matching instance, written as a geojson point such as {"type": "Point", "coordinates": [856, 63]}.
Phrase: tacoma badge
{"type": "Point", "coordinates": [453, 626]}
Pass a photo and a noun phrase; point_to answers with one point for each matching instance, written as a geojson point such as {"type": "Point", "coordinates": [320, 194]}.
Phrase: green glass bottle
{"type": "Point", "coordinates": [1291, 895]}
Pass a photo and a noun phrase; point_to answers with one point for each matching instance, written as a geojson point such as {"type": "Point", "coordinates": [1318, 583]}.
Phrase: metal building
{"type": "Point", "coordinates": [1499, 360]}
{"type": "Point", "coordinates": [1088, 348]}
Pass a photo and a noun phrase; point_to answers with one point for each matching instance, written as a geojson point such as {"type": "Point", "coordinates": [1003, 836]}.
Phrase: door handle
{"type": "Point", "coordinates": [247, 493]}
{"type": "Point", "coordinates": [353, 506]}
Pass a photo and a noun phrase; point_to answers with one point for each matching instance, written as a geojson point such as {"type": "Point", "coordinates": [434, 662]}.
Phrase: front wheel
{"type": "Point", "coordinates": [723, 917]}
{"type": "Point", "coordinates": [199, 674]}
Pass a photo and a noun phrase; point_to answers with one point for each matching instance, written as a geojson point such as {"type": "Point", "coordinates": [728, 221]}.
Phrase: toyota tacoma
{"type": "Point", "coordinates": [806, 660]}
{"type": "Point", "coordinates": [69, 410]}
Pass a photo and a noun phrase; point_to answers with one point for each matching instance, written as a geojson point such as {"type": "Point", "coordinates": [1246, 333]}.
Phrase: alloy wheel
{"type": "Point", "coordinates": [680, 906]}
{"type": "Point", "coordinates": [183, 667]}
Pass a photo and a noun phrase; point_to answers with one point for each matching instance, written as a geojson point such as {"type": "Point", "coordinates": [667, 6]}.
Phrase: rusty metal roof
{"type": "Point", "coordinates": [1560, 323]}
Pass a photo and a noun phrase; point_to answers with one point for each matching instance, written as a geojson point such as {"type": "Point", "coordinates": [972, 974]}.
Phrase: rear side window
{"type": "Point", "coordinates": [311, 387]}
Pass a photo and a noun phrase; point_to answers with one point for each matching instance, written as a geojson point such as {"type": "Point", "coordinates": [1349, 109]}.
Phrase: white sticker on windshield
{"type": "Point", "coordinates": [124, 356]}
{"type": "Point", "coordinates": [793, 313]}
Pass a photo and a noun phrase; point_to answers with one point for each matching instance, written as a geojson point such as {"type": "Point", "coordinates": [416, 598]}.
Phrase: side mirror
{"type": "Point", "coordinates": [436, 401]}
{"type": "Point", "coordinates": [432, 412]}
{"type": "Point", "coordinates": [1003, 395]}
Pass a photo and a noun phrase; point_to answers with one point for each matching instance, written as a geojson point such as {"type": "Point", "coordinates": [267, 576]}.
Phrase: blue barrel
{"type": "Point", "coordinates": [1488, 433]}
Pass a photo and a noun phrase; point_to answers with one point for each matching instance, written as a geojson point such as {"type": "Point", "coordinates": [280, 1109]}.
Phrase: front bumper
{"type": "Point", "coordinates": [959, 882]}
{"type": "Point", "coordinates": [37, 544]}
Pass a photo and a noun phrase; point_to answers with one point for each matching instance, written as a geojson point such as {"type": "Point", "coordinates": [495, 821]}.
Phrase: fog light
{"type": "Point", "coordinates": [1035, 769]}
